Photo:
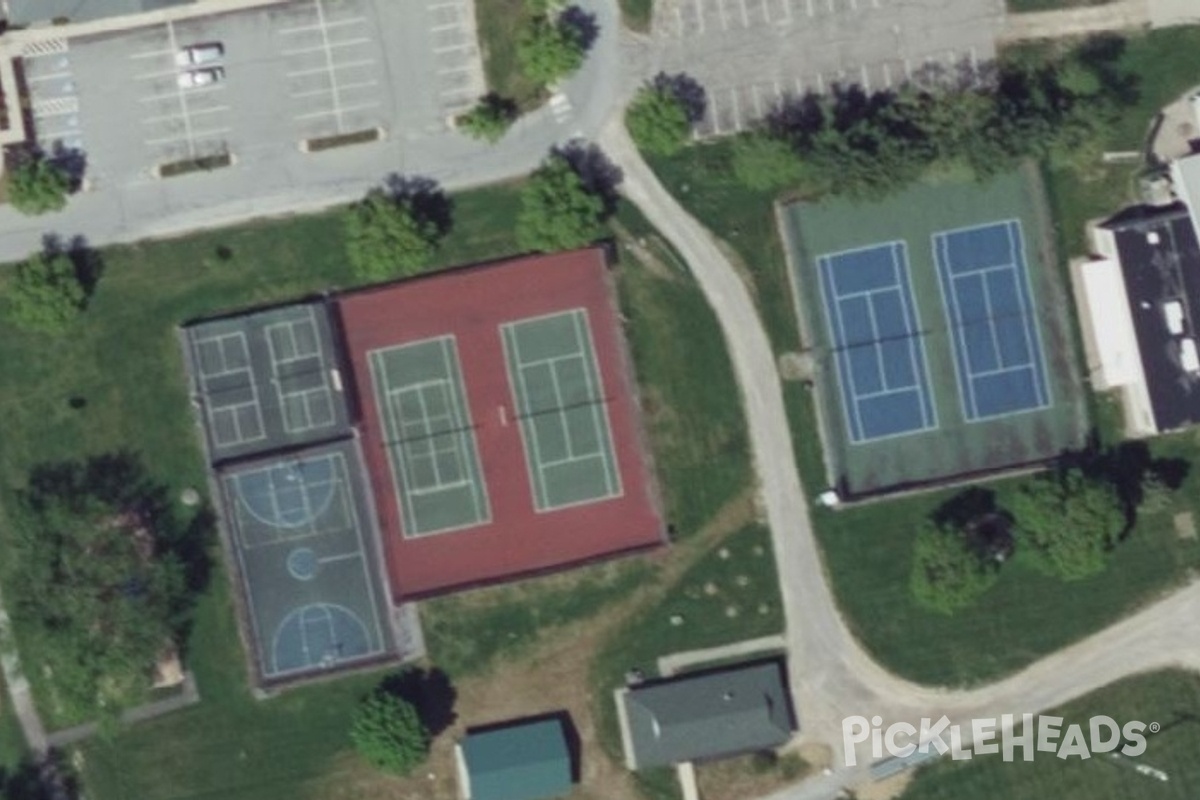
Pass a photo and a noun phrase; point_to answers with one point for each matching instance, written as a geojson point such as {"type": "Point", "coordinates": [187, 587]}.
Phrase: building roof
{"type": "Point", "coordinates": [1160, 262]}
{"type": "Point", "coordinates": [708, 715]}
{"type": "Point", "coordinates": [29, 12]}
{"type": "Point", "coordinates": [520, 762]}
{"type": "Point", "coordinates": [1112, 331]}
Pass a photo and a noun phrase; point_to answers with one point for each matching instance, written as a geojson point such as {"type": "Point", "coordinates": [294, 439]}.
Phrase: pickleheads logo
{"type": "Point", "coordinates": [1040, 734]}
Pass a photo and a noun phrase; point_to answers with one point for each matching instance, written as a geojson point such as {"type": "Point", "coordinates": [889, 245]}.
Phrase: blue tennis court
{"type": "Point", "coordinates": [873, 325]}
{"type": "Point", "coordinates": [989, 309]}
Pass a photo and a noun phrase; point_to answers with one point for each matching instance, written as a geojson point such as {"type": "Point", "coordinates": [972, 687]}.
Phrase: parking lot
{"type": "Point", "coordinates": [751, 54]}
{"type": "Point", "coordinates": [273, 77]}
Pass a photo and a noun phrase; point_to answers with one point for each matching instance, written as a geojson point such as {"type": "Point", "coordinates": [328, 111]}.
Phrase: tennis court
{"type": "Point", "coordinates": [303, 545]}
{"type": "Point", "coordinates": [881, 363]}
{"type": "Point", "coordinates": [560, 402]}
{"type": "Point", "coordinates": [429, 436]}
{"type": "Point", "coordinates": [266, 380]}
{"type": "Point", "coordinates": [933, 324]}
{"type": "Point", "coordinates": [989, 305]}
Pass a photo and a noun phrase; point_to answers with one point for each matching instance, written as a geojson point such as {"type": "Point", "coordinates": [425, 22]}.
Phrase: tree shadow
{"type": "Point", "coordinates": [425, 197]}
{"type": "Point", "coordinates": [87, 260]}
{"type": "Point", "coordinates": [1129, 467]}
{"type": "Point", "coordinates": [974, 513]}
{"type": "Point", "coordinates": [582, 24]}
{"type": "Point", "coordinates": [49, 779]}
{"type": "Point", "coordinates": [599, 175]}
{"type": "Point", "coordinates": [687, 90]}
{"type": "Point", "coordinates": [71, 160]}
{"type": "Point", "coordinates": [431, 693]}
{"type": "Point", "coordinates": [1102, 54]}
{"type": "Point", "coordinates": [500, 106]}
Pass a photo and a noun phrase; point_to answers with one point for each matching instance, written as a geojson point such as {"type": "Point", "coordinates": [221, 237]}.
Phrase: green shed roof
{"type": "Point", "coordinates": [708, 715]}
{"type": "Point", "coordinates": [523, 762]}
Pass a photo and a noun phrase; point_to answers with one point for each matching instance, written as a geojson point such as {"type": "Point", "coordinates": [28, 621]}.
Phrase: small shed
{"type": "Point", "coordinates": [518, 761]}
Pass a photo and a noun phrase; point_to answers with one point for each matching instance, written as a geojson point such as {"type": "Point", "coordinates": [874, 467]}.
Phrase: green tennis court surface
{"type": "Point", "coordinates": [560, 403]}
{"type": "Point", "coordinates": [429, 436]}
{"type": "Point", "coordinates": [976, 306]}
{"type": "Point", "coordinates": [302, 539]}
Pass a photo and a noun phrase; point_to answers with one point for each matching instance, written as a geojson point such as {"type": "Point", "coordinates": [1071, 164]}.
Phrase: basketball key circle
{"type": "Point", "coordinates": [302, 564]}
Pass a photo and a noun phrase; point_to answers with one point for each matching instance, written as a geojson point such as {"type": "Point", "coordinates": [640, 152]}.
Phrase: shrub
{"type": "Point", "coordinates": [46, 293]}
{"type": "Point", "coordinates": [385, 238]}
{"type": "Point", "coordinates": [36, 186]}
{"type": "Point", "coordinates": [389, 734]}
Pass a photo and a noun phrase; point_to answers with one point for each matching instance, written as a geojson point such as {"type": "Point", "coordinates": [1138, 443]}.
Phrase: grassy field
{"type": "Point", "coordinates": [730, 594]}
{"type": "Point", "coordinates": [868, 549]}
{"type": "Point", "coordinates": [123, 363]}
{"type": "Point", "coordinates": [12, 741]}
{"type": "Point", "coordinates": [1171, 699]}
{"type": "Point", "coordinates": [500, 23]}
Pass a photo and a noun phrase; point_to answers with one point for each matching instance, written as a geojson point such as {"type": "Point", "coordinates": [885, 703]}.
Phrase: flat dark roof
{"type": "Point", "coordinates": [28, 12]}
{"type": "Point", "coordinates": [1160, 261]}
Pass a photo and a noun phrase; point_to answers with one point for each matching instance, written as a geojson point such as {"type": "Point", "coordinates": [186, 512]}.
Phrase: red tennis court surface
{"type": "Point", "coordinates": [472, 305]}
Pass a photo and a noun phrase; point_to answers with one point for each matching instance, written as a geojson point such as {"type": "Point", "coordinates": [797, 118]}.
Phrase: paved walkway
{"type": "Point", "coordinates": [1116, 16]}
{"type": "Point", "coordinates": [669, 665]}
{"type": "Point", "coordinates": [832, 677]}
{"type": "Point", "coordinates": [19, 693]}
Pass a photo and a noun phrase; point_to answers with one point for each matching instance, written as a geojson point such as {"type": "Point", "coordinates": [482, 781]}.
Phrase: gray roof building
{"type": "Point", "coordinates": [31, 12]}
{"type": "Point", "coordinates": [705, 716]}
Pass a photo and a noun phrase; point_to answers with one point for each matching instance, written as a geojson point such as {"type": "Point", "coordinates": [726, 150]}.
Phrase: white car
{"type": "Point", "coordinates": [200, 77]}
{"type": "Point", "coordinates": [199, 54]}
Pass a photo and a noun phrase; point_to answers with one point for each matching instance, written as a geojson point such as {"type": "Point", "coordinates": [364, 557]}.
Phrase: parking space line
{"type": "Point", "coordinates": [831, 9]}
{"type": "Point", "coordinates": [758, 112]}
{"type": "Point", "coordinates": [319, 48]}
{"type": "Point", "coordinates": [787, 10]}
{"type": "Point", "coordinates": [679, 19]}
{"type": "Point", "coordinates": [866, 80]}
{"type": "Point", "coordinates": [343, 65]}
{"type": "Point", "coordinates": [454, 4]}
{"type": "Point", "coordinates": [854, 5]}
{"type": "Point", "coordinates": [700, 23]}
{"type": "Point", "coordinates": [799, 87]}
{"type": "Point", "coordinates": [49, 76]}
{"type": "Point", "coordinates": [453, 48]}
{"type": "Point", "coordinates": [810, 7]}
{"type": "Point", "coordinates": [745, 14]}
{"type": "Point", "coordinates": [338, 111]}
{"type": "Point", "coordinates": [737, 111]}
{"type": "Point", "coordinates": [174, 93]}
{"type": "Point", "coordinates": [196, 112]}
{"type": "Point", "coordinates": [887, 75]}
{"type": "Point", "coordinates": [907, 69]}
{"type": "Point", "coordinates": [190, 136]}
{"type": "Point", "coordinates": [453, 70]}
{"type": "Point", "coordinates": [326, 25]}
{"type": "Point", "coordinates": [187, 122]}
{"type": "Point", "coordinates": [447, 26]}
{"type": "Point", "coordinates": [334, 95]}
{"type": "Point", "coordinates": [766, 11]}
{"type": "Point", "coordinates": [149, 76]}
{"type": "Point", "coordinates": [149, 54]}
{"type": "Point", "coordinates": [721, 14]}
{"type": "Point", "coordinates": [820, 83]}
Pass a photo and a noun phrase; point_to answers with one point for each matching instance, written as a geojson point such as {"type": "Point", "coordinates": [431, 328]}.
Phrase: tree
{"type": "Point", "coordinates": [948, 573]}
{"type": "Point", "coordinates": [389, 734]}
{"type": "Point", "coordinates": [385, 238]}
{"type": "Point", "coordinates": [490, 119]}
{"type": "Point", "coordinates": [550, 49]}
{"type": "Point", "coordinates": [657, 120]}
{"type": "Point", "coordinates": [1071, 520]}
{"type": "Point", "coordinates": [557, 210]}
{"type": "Point", "coordinates": [762, 162]}
{"type": "Point", "coordinates": [46, 293]}
{"type": "Point", "coordinates": [36, 186]}
{"type": "Point", "coordinates": [90, 573]}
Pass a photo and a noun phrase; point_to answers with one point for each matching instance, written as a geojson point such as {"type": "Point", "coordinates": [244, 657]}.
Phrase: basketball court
{"type": "Point", "coordinates": [302, 536]}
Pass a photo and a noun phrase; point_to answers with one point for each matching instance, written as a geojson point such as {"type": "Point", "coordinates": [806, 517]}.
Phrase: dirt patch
{"type": "Point", "coordinates": [552, 677]}
{"type": "Point", "coordinates": [749, 776]}
{"type": "Point", "coordinates": [640, 248]}
{"type": "Point", "coordinates": [886, 789]}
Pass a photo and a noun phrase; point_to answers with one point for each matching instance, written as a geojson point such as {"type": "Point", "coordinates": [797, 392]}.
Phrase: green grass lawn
{"type": "Point", "coordinates": [868, 549]}
{"type": "Point", "coordinates": [500, 23]}
{"type": "Point", "coordinates": [117, 382]}
{"type": "Point", "coordinates": [1170, 698]}
{"type": "Point", "coordinates": [730, 594]}
{"type": "Point", "coordinates": [12, 741]}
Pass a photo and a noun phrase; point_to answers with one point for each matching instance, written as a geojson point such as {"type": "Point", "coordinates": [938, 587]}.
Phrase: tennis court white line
{"type": "Point", "coordinates": [1017, 248]}
{"type": "Point", "coordinates": [337, 558]}
{"type": "Point", "coordinates": [912, 323]}
{"type": "Point", "coordinates": [941, 256]}
{"type": "Point", "coordinates": [989, 373]}
{"type": "Point", "coordinates": [583, 334]}
{"type": "Point", "coordinates": [833, 315]}
{"type": "Point", "coordinates": [510, 339]}
{"type": "Point", "coordinates": [905, 390]}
